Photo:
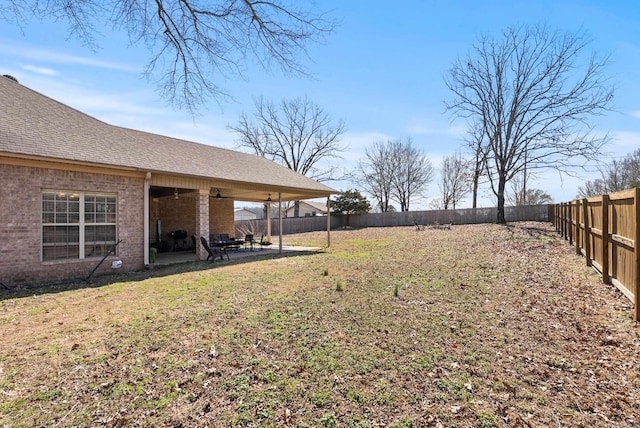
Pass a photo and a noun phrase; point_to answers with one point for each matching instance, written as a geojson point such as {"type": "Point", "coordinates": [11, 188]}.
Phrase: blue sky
{"type": "Point", "coordinates": [381, 72]}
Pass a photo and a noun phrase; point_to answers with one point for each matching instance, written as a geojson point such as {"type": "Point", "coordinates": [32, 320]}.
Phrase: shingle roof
{"type": "Point", "coordinates": [32, 124]}
{"type": "Point", "coordinates": [320, 206]}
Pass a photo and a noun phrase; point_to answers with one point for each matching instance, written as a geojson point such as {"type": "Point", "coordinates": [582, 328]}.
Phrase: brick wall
{"type": "Point", "coordinates": [174, 214]}
{"type": "Point", "coordinates": [221, 216]}
{"type": "Point", "coordinates": [21, 223]}
{"type": "Point", "coordinates": [180, 214]}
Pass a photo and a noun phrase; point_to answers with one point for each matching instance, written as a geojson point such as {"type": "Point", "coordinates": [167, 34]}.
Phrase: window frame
{"type": "Point", "coordinates": [82, 220]}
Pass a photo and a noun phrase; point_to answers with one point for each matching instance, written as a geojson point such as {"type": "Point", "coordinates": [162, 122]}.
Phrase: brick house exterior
{"type": "Point", "coordinates": [20, 205]}
{"type": "Point", "coordinates": [73, 186]}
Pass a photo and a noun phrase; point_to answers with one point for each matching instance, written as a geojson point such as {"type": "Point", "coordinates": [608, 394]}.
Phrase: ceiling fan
{"type": "Point", "coordinates": [219, 196]}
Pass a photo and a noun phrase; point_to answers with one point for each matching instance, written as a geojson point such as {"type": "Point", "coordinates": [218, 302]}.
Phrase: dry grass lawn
{"type": "Point", "coordinates": [478, 326]}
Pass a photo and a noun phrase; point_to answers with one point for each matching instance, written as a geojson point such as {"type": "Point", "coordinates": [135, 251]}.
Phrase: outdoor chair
{"type": "Point", "coordinates": [213, 255]}
{"type": "Point", "coordinates": [263, 243]}
{"type": "Point", "coordinates": [419, 227]}
{"type": "Point", "coordinates": [248, 240]}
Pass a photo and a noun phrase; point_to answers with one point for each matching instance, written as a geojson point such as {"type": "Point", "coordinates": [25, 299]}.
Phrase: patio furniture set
{"type": "Point", "coordinates": [219, 244]}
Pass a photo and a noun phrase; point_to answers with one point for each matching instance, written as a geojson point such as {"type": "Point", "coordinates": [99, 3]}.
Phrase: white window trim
{"type": "Point", "coordinates": [81, 223]}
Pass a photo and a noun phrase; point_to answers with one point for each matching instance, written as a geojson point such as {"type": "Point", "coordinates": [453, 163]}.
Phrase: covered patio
{"type": "Point", "coordinates": [177, 217]}
{"type": "Point", "coordinates": [245, 254]}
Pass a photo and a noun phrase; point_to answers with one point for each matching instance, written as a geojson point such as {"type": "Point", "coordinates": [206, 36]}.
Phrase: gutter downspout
{"type": "Point", "coordinates": [147, 186]}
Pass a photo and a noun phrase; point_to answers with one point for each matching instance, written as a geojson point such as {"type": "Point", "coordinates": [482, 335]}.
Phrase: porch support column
{"type": "Point", "coordinates": [280, 222]}
{"type": "Point", "coordinates": [145, 232]}
{"type": "Point", "coordinates": [328, 221]}
{"type": "Point", "coordinates": [269, 221]}
{"type": "Point", "coordinates": [202, 222]}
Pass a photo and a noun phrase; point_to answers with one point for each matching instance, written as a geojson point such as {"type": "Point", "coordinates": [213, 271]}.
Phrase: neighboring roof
{"type": "Point", "coordinates": [33, 125]}
{"type": "Point", "coordinates": [320, 206]}
{"type": "Point", "coordinates": [252, 210]}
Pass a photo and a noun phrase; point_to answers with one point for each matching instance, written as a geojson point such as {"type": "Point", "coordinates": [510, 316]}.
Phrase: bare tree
{"type": "Point", "coordinates": [592, 188]}
{"type": "Point", "coordinates": [412, 172]}
{"type": "Point", "coordinates": [193, 45]}
{"type": "Point", "coordinates": [478, 148]}
{"type": "Point", "coordinates": [296, 133]}
{"type": "Point", "coordinates": [532, 99]}
{"type": "Point", "coordinates": [533, 197]}
{"type": "Point", "coordinates": [393, 170]}
{"type": "Point", "coordinates": [519, 192]}
{"type": "Point", "coordinates": [436, 204]}
{"type": "Point", "coordinates": [455, 183]}
{"type": "Point", "coordinates": [374, 174]}
{"type": "Point", "coordinates": [616, 175]}
{"type": "Point", "coordinates": [521, 195]}
{"type": "Point", "coordinates": [631, 169]}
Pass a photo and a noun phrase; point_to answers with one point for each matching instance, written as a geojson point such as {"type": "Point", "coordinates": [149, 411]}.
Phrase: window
{"type": "Point", "coordinates": [77, 225]}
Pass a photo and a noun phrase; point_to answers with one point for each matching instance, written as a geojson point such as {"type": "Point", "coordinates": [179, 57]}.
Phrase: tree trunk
{"type": "Point", "coordinates": [501, 186]}
{"type": "Point", "coordinates": [475, 191]}
{"type": "Point", "coordinates": [296, 209]}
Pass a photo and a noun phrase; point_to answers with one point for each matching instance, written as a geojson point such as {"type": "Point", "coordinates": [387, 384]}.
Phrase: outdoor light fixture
{"type": "Point", "coordinates": [269, 198]}
{"type": "Point", "coordinates": [175, 193]}
{"type": "Point", "coordinates": [218, 195]}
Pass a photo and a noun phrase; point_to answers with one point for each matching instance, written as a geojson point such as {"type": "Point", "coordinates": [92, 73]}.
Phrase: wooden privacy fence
{"type": "Point", "coordinates": [604, 229]}
{"type": "Point", "coordinates": [390, 219]}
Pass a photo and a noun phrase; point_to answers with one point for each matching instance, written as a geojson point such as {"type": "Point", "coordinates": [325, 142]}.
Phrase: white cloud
{"type": "Point", "coordinates": [358, 141]}
{"type": "Point", "coordinates": [626, 138]}
{"type": "Point", "coordinates": [621, 144]}
{"type": "Point", "coordinates": [24, 51]}
{"type": "Point", "coordinates": [432, 127]}
{"type": "Point", "coordinates": [136, 109]}
{"type": "Point", "coordinates": [40, 70]}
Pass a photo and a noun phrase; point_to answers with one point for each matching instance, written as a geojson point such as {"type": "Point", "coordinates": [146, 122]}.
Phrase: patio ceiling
{"type": "Point", "coordinates": [242, 193]}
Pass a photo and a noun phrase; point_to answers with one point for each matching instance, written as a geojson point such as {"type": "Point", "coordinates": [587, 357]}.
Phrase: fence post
{"type": "Point", "coordinates": [587, 231]}
{"type": "Point", "coordinates": [570, 225]}
{"type": "Point", "coordinates": [576, 233]}
{"type": "Point", "coordinates": [636, 257]}
{"type": "Point", "coordinates": [565, 216]}
{"type": "Point", "coordinates": [606, 278]}
{"type": "Point", "coordinates": [560, 218]}
{"type": "Point", "coordinates": [579, 234]}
